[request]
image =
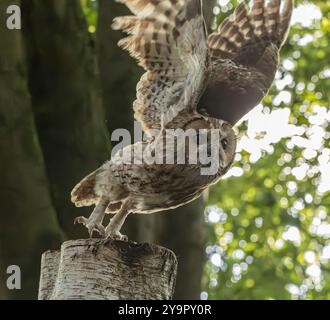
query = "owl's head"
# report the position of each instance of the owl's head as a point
(227, 144)
(220, 136)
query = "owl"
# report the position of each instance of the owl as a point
(193, 81)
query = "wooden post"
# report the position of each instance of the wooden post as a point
(91, 269)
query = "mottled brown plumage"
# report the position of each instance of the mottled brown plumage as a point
(244, 55)
(192, 81)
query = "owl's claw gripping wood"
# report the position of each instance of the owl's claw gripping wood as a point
(113, 229)
(91, 226)
(94, 222)
(118, 236)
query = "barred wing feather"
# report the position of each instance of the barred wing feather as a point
(168, 38)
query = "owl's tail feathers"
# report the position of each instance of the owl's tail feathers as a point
(83, 194)
(247, 27)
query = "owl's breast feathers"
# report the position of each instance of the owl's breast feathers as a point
(152, 187)
(244, 57)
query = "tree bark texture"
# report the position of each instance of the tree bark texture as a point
(66, 96)
(93, 270)
(28, 224)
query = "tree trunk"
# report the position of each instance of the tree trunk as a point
(183, 231)
(28, 220)
(116, 270)
(66, 99)
(119, 72)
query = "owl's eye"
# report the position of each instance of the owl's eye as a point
(224, 143)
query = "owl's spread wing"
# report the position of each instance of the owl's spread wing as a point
(245, 35)
(169, 40)
(245, 49)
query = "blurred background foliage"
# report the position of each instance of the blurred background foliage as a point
(268, 221)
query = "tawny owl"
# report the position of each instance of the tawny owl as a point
(193, 81)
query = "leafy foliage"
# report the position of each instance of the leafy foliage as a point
(269, 227)
(90, 11)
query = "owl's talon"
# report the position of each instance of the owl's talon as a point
(98, 228)
(117, 236)
(91, 225)
(81, 220)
